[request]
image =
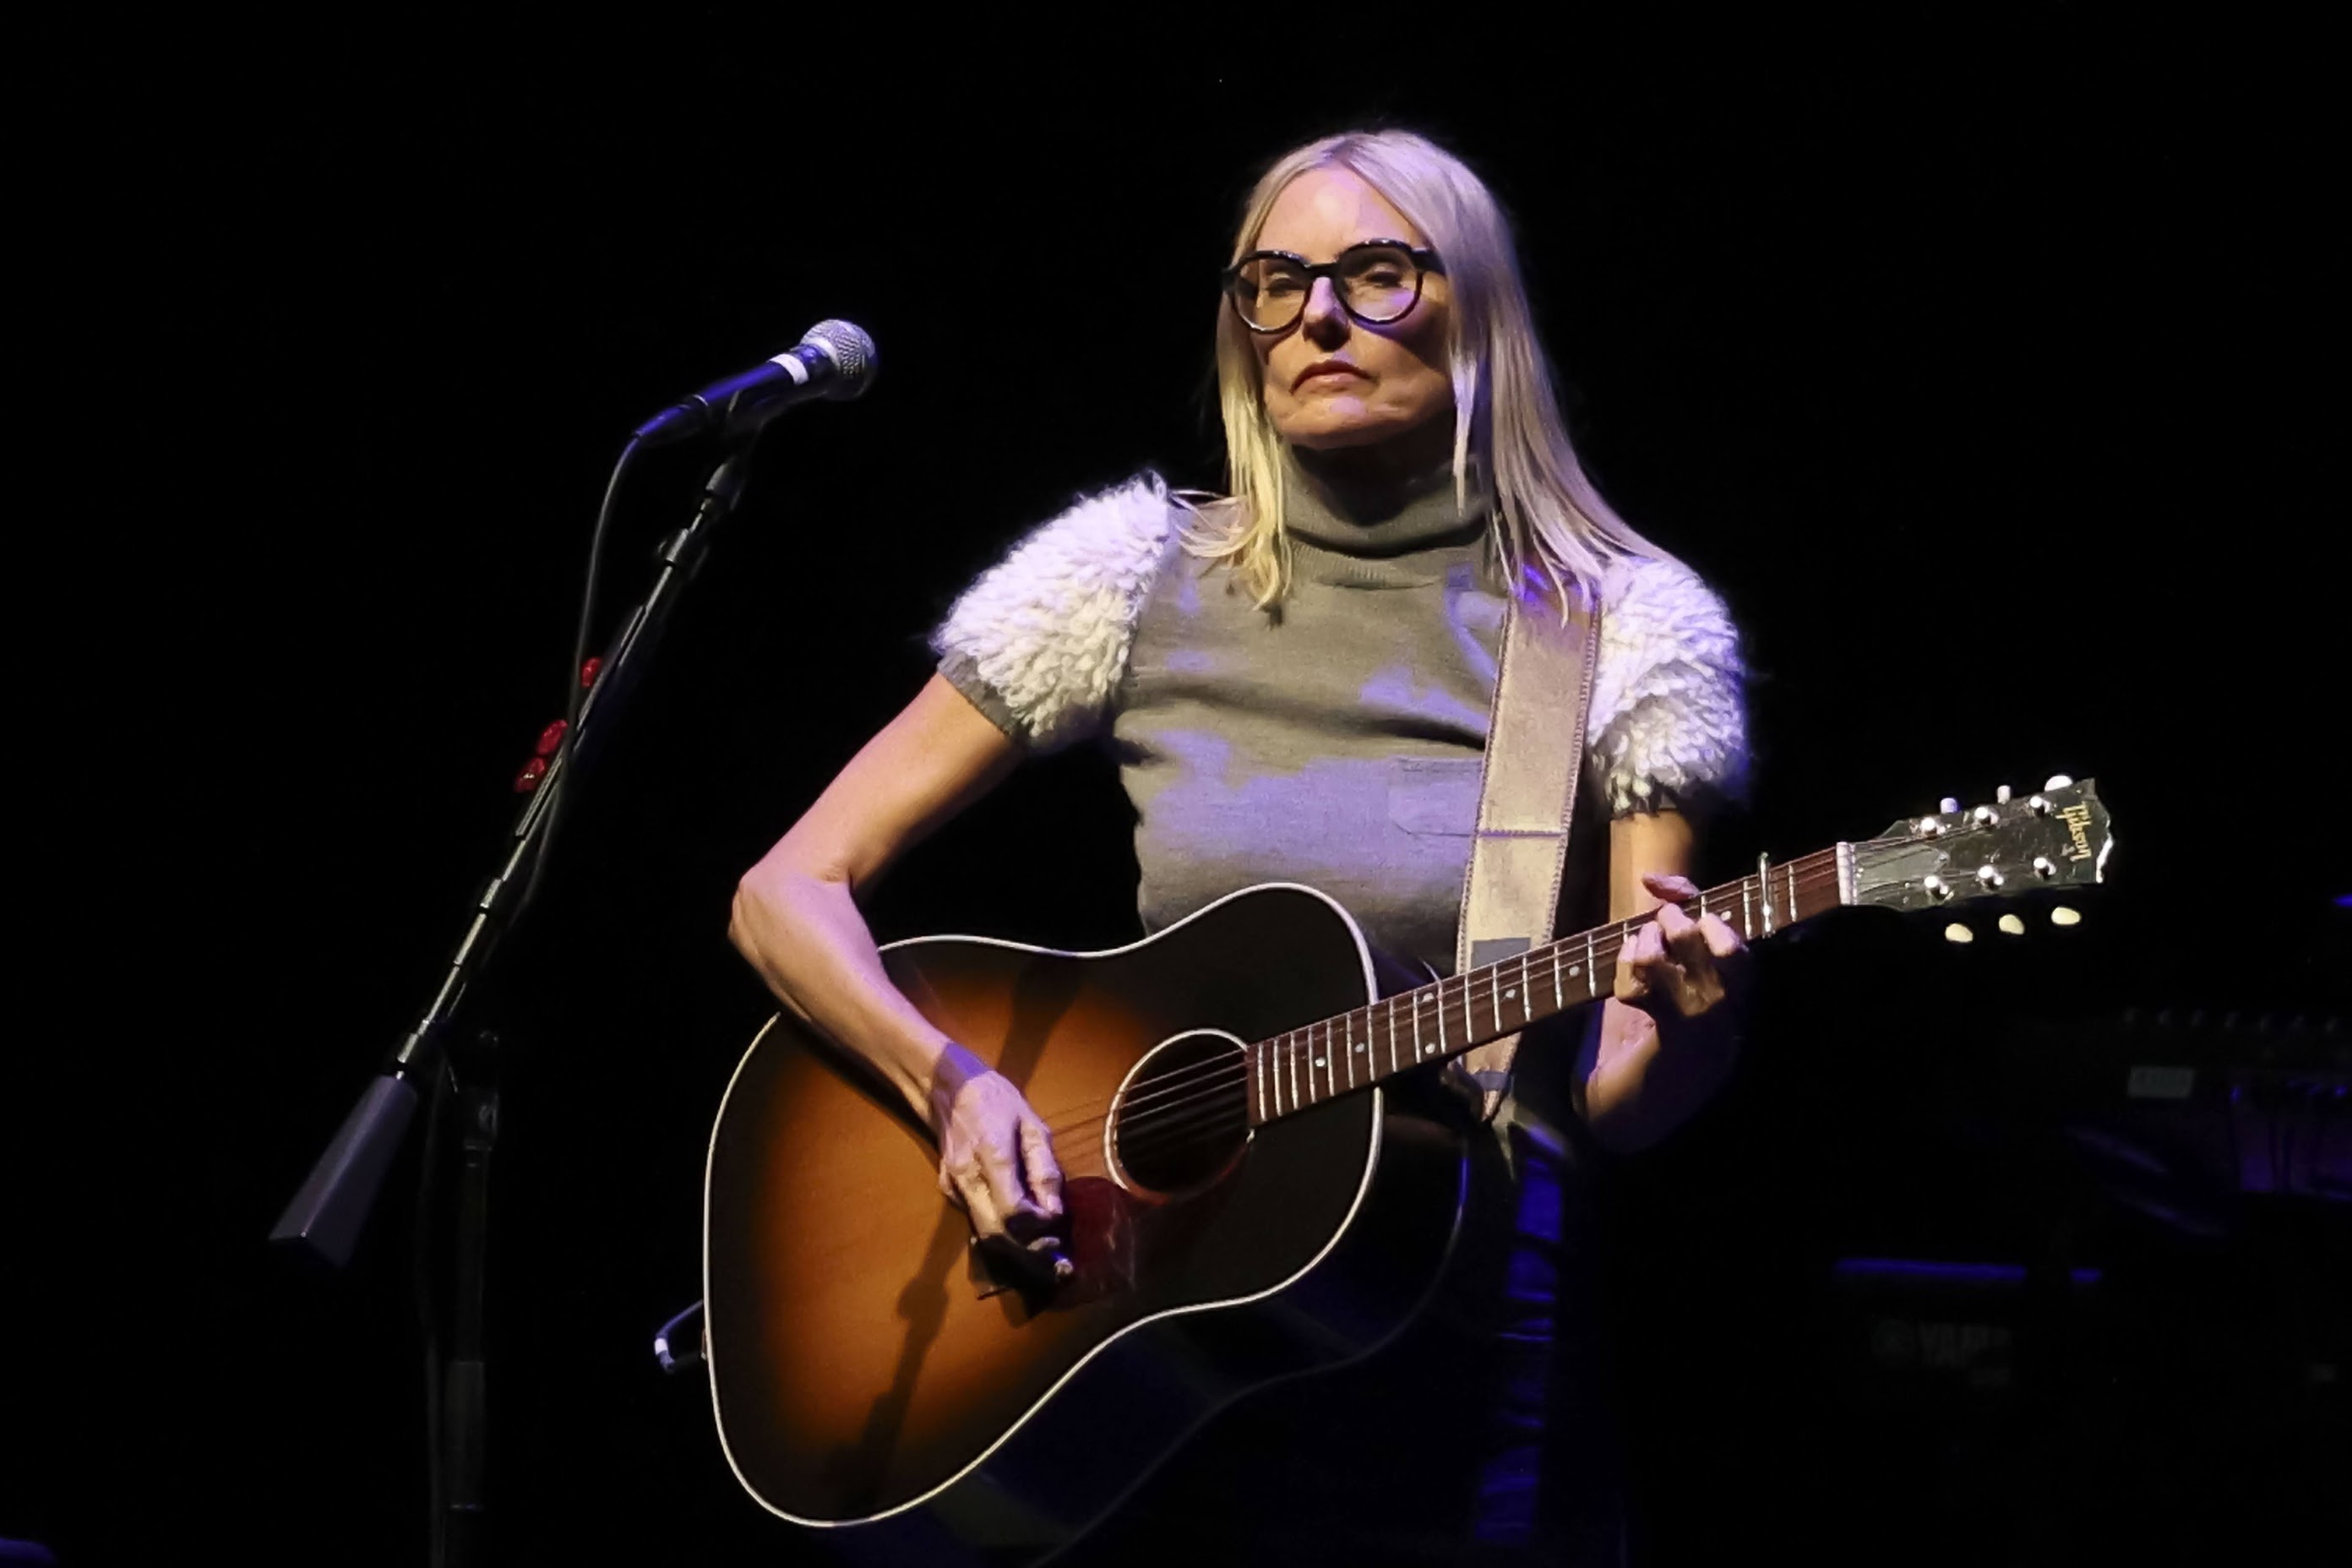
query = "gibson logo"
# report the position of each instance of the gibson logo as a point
(2077, 819)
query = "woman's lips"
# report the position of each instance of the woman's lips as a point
(1326, 370)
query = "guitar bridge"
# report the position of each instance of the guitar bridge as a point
(1100, 1241)
(992, 1270)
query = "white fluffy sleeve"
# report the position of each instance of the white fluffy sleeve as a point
(1668, 716)
(1040, 641)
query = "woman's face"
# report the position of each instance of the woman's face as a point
(1330, 380)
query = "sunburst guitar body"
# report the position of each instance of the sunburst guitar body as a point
(867, 1359)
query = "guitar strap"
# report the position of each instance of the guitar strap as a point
(1526, 806)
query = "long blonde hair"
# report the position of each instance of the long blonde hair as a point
(1549, 524)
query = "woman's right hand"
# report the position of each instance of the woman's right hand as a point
(996, 1161)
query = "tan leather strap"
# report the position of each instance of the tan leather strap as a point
(1526, 806)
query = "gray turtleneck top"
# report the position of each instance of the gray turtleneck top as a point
(1334, 740)
(1337, 744)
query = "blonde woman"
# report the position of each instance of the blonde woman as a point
(1296, 678)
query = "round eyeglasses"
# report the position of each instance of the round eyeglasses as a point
(1377, 281)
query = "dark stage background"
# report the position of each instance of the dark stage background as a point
(1977, 364)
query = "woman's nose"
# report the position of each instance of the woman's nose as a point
(1325, 320)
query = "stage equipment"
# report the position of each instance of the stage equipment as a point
(835, 360)
(1242, 1202)
(2175, 1111)
(326, 1215)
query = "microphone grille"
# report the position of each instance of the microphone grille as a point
(851, 351)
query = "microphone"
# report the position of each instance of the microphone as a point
(834, 360)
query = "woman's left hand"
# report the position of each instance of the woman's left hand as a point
(1687, 975)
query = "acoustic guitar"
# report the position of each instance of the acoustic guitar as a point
(1240, 1207)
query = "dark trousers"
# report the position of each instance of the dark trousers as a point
(1481, 1434)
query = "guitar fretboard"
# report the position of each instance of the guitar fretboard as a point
(1337, 1055)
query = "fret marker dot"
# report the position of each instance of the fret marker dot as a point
(1360, 1050)
(1318, 1061)
(1513, 992)
(1576, 969)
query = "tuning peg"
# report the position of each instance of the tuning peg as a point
(2057, 780)
(2000, 796)
(1950, 805)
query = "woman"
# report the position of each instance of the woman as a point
(1297, 679)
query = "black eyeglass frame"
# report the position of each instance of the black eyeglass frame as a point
(1424, 261)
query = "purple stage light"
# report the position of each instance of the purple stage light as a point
(1920, 1270)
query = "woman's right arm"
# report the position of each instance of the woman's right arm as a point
(796, 920)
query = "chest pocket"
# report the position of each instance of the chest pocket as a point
(1435, 796)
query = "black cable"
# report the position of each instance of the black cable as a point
(445, 1081)
(444, 1078)
(575, 694)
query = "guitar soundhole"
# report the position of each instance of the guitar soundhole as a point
(1183, 1116)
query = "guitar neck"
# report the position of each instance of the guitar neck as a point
(1295, 1071)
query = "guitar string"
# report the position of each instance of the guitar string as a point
(1207, 1104)
(1182, 1082)
(1197, 1121)
(1195, 1085)
(1290, 1044)
(1215, 1081)
(1199, 1114)
(1191, 1093)
(1381, 1011)
(1808, 870)
(1204, 1119)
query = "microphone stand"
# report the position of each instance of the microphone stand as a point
(326, 1217)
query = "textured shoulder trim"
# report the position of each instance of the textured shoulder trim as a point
(1669, 716)
(1046, 631)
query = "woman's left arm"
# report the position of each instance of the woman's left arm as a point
(1666, 1042)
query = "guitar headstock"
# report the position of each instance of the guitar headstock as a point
(2057, 836)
